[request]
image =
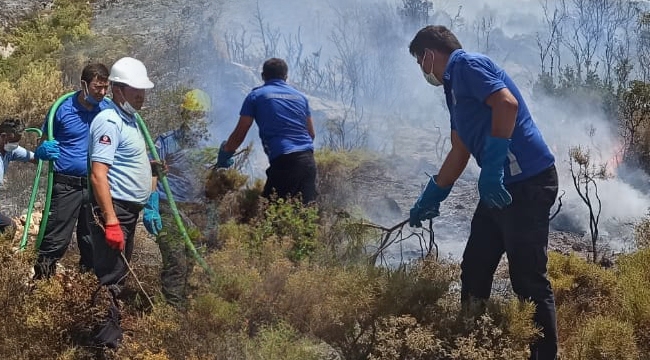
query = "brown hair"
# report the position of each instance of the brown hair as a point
(434, 37)
(92, 71)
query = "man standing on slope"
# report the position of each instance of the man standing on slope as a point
(287, 132)
(121, 180)
(176, 149)
(517, 184)
(68, 150)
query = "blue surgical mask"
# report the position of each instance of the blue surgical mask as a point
(89, 99)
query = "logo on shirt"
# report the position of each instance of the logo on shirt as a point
(105, 139)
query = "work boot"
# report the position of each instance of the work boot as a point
(44, 268)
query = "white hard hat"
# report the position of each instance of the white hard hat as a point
(131, 72)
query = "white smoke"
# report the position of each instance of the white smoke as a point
(397, 103)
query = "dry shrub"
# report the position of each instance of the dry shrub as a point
(634, 277)
(488, 341)
(582, 289)
(415, 290)
(281, 341)
(221, 181)
(641, 233)
(603, 338)
(344, 167)
(343, 239)
(242, 205)
(8, 100)
(402, 337)
(336, 305)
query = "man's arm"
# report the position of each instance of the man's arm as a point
(454, 163)
(102, 192)
(239, 134)
(504, 112)
(310, 127)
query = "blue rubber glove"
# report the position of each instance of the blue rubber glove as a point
(48, 150)
(490, 183)
(224, 159)
(151, 218)
(428, 204)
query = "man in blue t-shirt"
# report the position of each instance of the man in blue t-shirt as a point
(68, 150)
(287, 132)
(10, 133)
(517, 183)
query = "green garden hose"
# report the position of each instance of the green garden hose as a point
(32, 198)
(172, 204)
(50, 170)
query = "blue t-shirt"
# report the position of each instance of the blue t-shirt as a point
(183, 182)
(18, 154)
(71, 124)
(116, 140)
(281, 113)
(469, 79)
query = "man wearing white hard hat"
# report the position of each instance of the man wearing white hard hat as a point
(121, 180)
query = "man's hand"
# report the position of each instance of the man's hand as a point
(490, 183)
(151, 218)
(114, 236)
(428, 204)
(48, 150)
(158, 167)
(224, 159)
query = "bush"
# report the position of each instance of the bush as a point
(604, 338)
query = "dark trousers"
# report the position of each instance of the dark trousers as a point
(521, 231)
(110, 267)
(5, 223)
(69, 206)
(291, 175)
(177, 261)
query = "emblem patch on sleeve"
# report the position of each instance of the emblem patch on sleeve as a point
(105, 139)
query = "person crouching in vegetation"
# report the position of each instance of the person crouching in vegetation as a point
(287, 132)
(517, 184)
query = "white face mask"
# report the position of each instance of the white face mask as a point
(9, 147)
(126, 106)
(429, 77)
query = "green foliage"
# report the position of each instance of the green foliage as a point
(634, 273)
(30, 79)
(281, 342)
(604, 338)
(288, 220)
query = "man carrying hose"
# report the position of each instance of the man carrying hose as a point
(11, 130)
(176, 148)
(68, 150)
(121, 181)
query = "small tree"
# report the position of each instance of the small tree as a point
(584, 174)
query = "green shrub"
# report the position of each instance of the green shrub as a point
(604, 338)
(280, 342)
(634, 277)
